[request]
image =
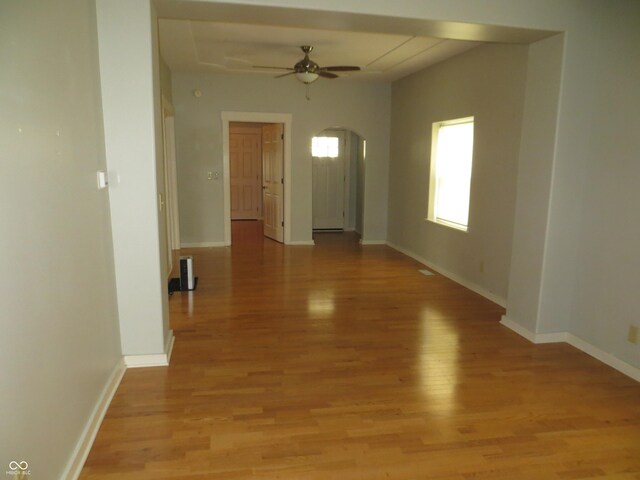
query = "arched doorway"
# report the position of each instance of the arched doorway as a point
(338, 169)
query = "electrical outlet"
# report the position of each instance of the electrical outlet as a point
(633, 334)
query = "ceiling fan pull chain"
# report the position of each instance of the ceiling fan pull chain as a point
(307, 93)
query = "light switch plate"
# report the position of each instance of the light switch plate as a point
(102, 180)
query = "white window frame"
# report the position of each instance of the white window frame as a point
(431, 212)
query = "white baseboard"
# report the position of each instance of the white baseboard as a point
(533, 337)
(88, 435)
(301, 242)
(452, 276)
(203, 245)
(372, 242)
(520, 330)
(169, 346)
(152, 360)
(577, 342)
(604, 357)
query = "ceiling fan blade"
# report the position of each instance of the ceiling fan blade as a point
(284, 74)
(272, 68)
(341, 68)
(324, 74)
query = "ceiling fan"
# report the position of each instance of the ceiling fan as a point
(307, 71)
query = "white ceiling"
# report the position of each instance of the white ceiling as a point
(188, 45)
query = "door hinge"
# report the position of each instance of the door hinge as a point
(282, 181)
(282, 136)
(282, 223)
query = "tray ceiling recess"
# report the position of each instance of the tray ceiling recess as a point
(202, 46)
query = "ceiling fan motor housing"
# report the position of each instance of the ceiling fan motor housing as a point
(307, 71)
(306, 64)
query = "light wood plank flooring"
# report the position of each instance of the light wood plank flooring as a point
(343, 362)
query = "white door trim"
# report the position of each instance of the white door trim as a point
(170, 179)
(347, 181)
(257, 117)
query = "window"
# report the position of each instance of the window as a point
(450, 179)
(323, 147)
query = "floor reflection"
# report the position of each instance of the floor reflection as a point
(438, 361)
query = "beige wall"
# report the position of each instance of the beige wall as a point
(60, 342)
(591, 274)
(534, 182)
(361, 107)
(487, 83)
(133, 145)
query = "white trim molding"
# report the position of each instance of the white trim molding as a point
(533, 337)
(88, 435)
(451, 276)
(373, 242)
(604, 357)
(204, 245)
(301, 242)
(152, 360)
(577, 342)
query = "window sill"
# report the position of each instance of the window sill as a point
(448, 225)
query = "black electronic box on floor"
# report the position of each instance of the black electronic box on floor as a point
(187, 281)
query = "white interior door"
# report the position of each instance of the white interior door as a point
(273, 181)
(245, 172)
(328, 181)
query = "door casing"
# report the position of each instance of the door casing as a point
(170, 180)
(256, 117)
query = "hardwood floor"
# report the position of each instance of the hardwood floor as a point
(344, 362)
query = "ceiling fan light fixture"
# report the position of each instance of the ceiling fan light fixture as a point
(306, 77)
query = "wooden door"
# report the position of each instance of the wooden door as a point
(328, 187)
(273, 181)
(246, 172)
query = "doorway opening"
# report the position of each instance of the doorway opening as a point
(256, 171)
(338, 169)
(256, 167)
(245, 163)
